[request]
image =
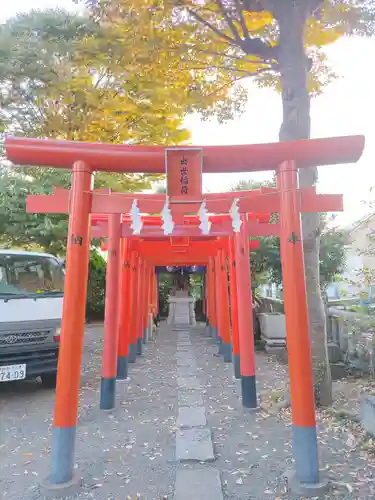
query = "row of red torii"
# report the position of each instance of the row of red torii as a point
(190, 228)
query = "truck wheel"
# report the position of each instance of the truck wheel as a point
(49, 380)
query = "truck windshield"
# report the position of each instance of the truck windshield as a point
(30, 275)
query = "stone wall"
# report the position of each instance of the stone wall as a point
(350, 335)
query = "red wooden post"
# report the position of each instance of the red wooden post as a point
(224, 307)
(219, 317)
(234, 309)
(125, 312)
(152, 291)
(152, 302)
(140, 305)
(245, 318)
(212, 298)
(298, 341)
(112, 314)
(157, 293)
(208, 299)
(134, 266)
(146, 302)
(73, 324)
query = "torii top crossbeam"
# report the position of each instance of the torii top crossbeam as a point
(215, 159)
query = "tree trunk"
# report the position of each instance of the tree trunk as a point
(294, 64)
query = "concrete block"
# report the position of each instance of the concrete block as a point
(186, 371)
(334, 353)
(368, 414)
(306, 490)
(191, 416)
(184, 354)
(192, 398)
(272, 325)
(194, 444)
(187, 362)
(189, 383)
(184, 349)
(198, 484)
(53, 491)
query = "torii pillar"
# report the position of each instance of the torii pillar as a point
(112, 314)
(223, 311)
(234, 309)
(245, 318)
(125, 313)
(134, 283)
(70, 354)
(140, 303)
(305, 447)
(212, 298)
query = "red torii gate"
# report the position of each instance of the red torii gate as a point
(152, 232)
(184, 164)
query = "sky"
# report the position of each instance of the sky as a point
(346, 107)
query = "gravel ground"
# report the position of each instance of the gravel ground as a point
(254, 450)
(128, 453)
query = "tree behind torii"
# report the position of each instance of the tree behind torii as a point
(278, 42)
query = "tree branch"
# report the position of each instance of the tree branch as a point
(229, 56)
(208, 25)
(316, 7)
(257, 47)
(232, 82)
(229, 21)
(237, 79)
(250, 46)
(242, 19)
(206, 66)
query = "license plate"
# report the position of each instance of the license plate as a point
(12, 372)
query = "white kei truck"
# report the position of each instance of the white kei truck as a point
(31, 301)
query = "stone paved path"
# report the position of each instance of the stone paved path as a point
(178, 431)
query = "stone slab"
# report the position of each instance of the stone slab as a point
(184, 354)
(368, 414)
(187, 371)
(198, 484)
(187, 362)
(192, 398)
(184, 349)
(194, 445)
(189, 383)
(191, 416)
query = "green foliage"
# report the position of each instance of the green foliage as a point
(222, 42)
(266, 264)
(30, 231)
(57, 80)
(265, 261)
(96, 286)
(165, 286)
(332, 255)
(68, 77)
